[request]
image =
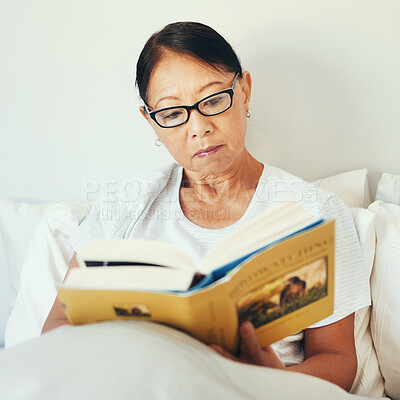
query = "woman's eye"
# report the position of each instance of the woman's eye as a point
(214, 101)
(173, 115)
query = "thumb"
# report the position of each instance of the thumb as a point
(250, 350)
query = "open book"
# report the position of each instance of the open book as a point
(276, 271)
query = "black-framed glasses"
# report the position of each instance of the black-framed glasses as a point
(213, 104)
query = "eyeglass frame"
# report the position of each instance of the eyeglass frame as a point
(195, 106)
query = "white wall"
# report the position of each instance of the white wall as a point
(326, 88)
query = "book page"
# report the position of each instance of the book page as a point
(129, 278)
(138, 251)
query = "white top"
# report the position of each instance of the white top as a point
(148, 208)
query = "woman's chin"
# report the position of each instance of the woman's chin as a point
(212, 167)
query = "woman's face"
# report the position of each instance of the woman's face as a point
(182, 80)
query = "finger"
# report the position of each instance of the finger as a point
(249, 340)
(223, 352)
(250, 350)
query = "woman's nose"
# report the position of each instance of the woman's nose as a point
(199, 125)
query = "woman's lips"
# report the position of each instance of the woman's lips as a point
(208, 151)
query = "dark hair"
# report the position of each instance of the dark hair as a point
(191, 38)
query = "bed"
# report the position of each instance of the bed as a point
(130, 359)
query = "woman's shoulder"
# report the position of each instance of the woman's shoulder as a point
(118, 209)
(141, 187)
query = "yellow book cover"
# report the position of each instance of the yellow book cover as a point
(282, 289)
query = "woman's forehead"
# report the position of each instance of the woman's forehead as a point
(176, 74)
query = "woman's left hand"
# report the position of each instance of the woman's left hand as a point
(250, 350)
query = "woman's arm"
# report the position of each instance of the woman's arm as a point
(329, 352)
(57, 315)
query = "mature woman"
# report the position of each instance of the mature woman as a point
(196, 98)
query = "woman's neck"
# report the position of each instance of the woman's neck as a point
(242, 176)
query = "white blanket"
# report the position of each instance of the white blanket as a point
(142, 360)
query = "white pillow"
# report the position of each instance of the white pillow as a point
(368, 381)
(6, 293)
(139, 360)
(351, 187)
(46, 262)
(17, 223)
(389, 188)
(385, 289)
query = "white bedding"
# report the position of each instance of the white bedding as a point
(131, 354)
(142, 360)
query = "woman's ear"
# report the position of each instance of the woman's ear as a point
(144, 113)
(246, 87)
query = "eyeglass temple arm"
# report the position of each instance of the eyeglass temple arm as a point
(235, 80)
